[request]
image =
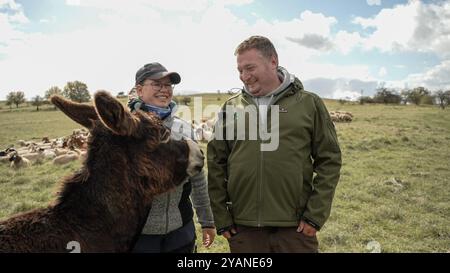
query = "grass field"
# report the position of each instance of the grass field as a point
(394, 187)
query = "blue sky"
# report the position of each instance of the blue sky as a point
(337, 48)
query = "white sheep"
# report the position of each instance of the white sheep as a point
(49, 154)
(18, 162)
(60, 151)
(63, 159)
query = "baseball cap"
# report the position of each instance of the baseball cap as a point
(156, 71)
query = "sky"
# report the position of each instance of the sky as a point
(338, 49)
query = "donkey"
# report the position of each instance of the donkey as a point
(103, 206)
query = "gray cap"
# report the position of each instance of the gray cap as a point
(155, 71)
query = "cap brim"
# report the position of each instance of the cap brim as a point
(174, 76)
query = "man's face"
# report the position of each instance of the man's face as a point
(257, 72)
(156, 92)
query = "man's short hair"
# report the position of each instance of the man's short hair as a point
(260, 43)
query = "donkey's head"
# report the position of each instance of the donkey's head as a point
(132, 147)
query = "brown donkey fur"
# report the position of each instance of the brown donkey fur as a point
(104, 205)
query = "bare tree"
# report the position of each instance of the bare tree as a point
(37, 101)
(15, 98)
(443, 98)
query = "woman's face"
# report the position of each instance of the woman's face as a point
(156, 92)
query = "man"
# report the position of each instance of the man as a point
(270, 200)
(170, 226)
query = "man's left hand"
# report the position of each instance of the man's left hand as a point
(306, 229)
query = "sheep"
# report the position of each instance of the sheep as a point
(341, 116)
(49, 154)
(18, 161)
(60, 151)
(33, 156)
(64, 159)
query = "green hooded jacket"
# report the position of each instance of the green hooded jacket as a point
(251, 187)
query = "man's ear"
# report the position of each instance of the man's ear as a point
(114, 115)
(274, 61)
(82, 114)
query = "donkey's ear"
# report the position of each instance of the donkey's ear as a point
(114, 115)
(80, 113)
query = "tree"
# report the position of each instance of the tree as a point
(54, 90)
(385, 95)
(366, 99)
(76, 91)
(417, 95)
(404, 94)
(443, 98)
(37, 101)
(9, 101)
(15, 98)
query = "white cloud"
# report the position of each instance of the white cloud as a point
(373, 2)
(434, 78)
(345, 42)
(10, 4)
(52, 19)
(393, 27)
(414, 26)
(190, 38)
(346, 94)
(14, 14)
(382, 72)
(314, 32)
(9, 21)
(107, 55)
(237, 2)
(341, 88)
(73, 2)
(19, 18)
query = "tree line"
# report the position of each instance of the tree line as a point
(417, 96)
(75, 91)
(78, 91)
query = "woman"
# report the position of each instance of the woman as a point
(170, 226)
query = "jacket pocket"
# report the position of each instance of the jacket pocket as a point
(282, 188)
(241, 187)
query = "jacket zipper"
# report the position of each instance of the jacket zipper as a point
(260, 190)
(260, 182)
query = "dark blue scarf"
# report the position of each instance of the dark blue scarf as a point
(138, 104)
(161, 112)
